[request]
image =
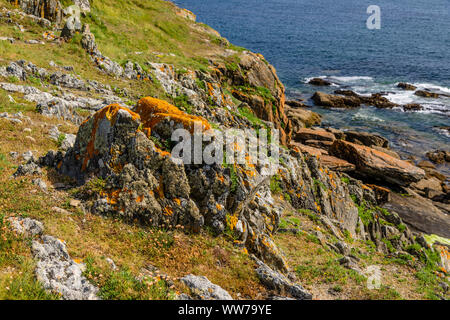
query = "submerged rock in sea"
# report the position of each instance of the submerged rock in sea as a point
(439, 156)
(319, 82)
(412, 107)
(406, 86)
(426, 94)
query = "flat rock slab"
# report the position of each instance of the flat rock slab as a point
(336, 164)
(420, 214)
(376, 164)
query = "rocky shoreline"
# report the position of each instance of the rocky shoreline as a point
(368, 156)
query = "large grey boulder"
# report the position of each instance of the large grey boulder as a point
(204, 289)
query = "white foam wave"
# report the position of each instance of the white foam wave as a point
(341, 79)
(350, 79)
(432, 87)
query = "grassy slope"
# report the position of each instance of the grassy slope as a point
(151, 27)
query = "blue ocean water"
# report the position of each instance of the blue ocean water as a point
(329, 38)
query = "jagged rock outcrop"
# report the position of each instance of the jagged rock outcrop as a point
(84, 5)
(48, 9)
(281, 284)
(144, 182)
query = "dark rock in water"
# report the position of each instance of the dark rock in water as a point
(406, 86)
(439, 156)
(420, 213)
(350, 99)
(376, 164)
(412, 107)
(333, 101)
(366, 139)
(379, 101)
(348, 93)
(319, 82)
(426, 94)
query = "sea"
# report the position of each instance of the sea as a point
(330, 39)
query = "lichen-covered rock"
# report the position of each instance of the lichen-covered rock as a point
(26, 226)
(59, 273)
(48, 9)
(281, 284)
(376, 164)
(204, 289)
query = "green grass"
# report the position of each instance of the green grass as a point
(20, 283)
(248, 114)
(123, 285)
(275, 184)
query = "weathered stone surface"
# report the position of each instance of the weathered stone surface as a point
(30, 168)
(336, 164)
(48, 9)
(274, 280)
(305, 134)
(301, 117)
(376, 164)
(308, 149)
(366, 139)
(203, 289)
(26, 226)
(59, 273)
(146, 183)
(84, 5)
(333, 101)
(420, 213)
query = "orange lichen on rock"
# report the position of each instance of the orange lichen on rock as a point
(111, 195)
(152, 111)
(109, 112)
(168, 211)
